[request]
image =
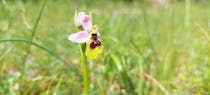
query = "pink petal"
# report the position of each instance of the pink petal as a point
(78, 18)
(85, 21)
(79, 37)
(98, 33)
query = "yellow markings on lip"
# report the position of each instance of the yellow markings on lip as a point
(93, 53)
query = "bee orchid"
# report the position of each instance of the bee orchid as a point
(89, 34)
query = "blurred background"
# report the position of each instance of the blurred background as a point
(151, 47)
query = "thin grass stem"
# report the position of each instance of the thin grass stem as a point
(32, 37)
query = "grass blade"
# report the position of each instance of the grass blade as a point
(33, 34)
(35, 44)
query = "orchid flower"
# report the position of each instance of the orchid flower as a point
(89, 34)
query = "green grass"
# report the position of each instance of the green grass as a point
(148, 50)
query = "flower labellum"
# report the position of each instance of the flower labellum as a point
(88, 34)
(94, 45)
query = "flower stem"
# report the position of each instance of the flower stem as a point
(85, 69)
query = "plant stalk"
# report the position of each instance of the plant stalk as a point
(85, 69)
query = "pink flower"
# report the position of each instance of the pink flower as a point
(89, 34)
(84, 22)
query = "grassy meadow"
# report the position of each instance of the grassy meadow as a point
(148, 49)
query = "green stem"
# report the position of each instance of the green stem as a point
(85, 69)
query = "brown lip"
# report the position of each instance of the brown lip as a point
(95, 43)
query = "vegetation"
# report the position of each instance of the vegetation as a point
(148, 49)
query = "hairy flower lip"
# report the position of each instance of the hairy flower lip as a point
(94, 44)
